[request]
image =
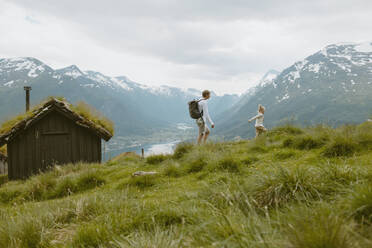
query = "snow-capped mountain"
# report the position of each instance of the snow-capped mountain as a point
(332, 86)
(268, 77)
(135, 108)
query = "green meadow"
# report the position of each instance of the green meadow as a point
(292, 187)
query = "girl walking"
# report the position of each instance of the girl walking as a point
(259, 120)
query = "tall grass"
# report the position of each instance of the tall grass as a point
(319, 227)
(156, 159)
(51, 185)
(361, 203)
(277, 187)
(223, 194)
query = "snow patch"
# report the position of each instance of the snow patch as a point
(315, 67)
(74, 74)
(87, 85)
(157, 90)
(20, 64)
(285, 97)
(121, 83)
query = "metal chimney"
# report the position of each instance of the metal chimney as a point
(27, 89)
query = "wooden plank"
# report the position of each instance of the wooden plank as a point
(10, 160)
(89, 148)
(74, 144)
(21, 156)
(32, 145)
(73, 152)
(17, 158)
(99, 150)
(38, 163)
(82, 145)
(27, 148)
(56, 133)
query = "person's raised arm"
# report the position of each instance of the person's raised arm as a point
(255, 117)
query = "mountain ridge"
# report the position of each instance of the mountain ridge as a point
(333, 86)
(134, 107)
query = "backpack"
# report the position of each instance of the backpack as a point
(194, 109)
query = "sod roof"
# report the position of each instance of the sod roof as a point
(82, 115)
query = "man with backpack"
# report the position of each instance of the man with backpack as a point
(199, 111)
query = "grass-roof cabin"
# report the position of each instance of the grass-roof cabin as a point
(55, 132)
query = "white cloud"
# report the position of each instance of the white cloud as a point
(221, 45)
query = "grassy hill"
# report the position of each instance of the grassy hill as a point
(301, 188)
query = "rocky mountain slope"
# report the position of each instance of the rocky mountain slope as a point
(332, 86)
(135, 108)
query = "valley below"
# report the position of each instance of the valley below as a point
(161, 141)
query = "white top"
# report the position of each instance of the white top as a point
(259, 119)
(203, 107)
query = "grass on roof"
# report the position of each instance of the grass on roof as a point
(80, 108)
(3, 150)
(93, 115)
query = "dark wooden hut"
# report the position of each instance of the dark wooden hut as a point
(52, 134)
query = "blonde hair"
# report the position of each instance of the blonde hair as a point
(261, 108)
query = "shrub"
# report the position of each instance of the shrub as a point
(196, 165)
(64, 187)
(229, 164)
(319, 228)
(364, 135)
(172, 170)
(340, 146)
(168, 218)
(30, 234)
(143, 181)
(156, 159)
(91, 235)
(258, 149)
(282, 155)
(340, 174)
(89, 180)
(361, 203)
(40, 186)
(288, 142)
(288, 129)
(303, 142)
(307, 143)
(182, 149)
(275, 188)
(249, 160)
(7, 195)
(24, 232)
(158, 237)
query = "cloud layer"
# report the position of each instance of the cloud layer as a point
(222, 45)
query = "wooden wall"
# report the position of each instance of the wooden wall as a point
(53, 140)
(3, 167)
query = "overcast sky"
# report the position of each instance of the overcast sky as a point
(221, 45)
